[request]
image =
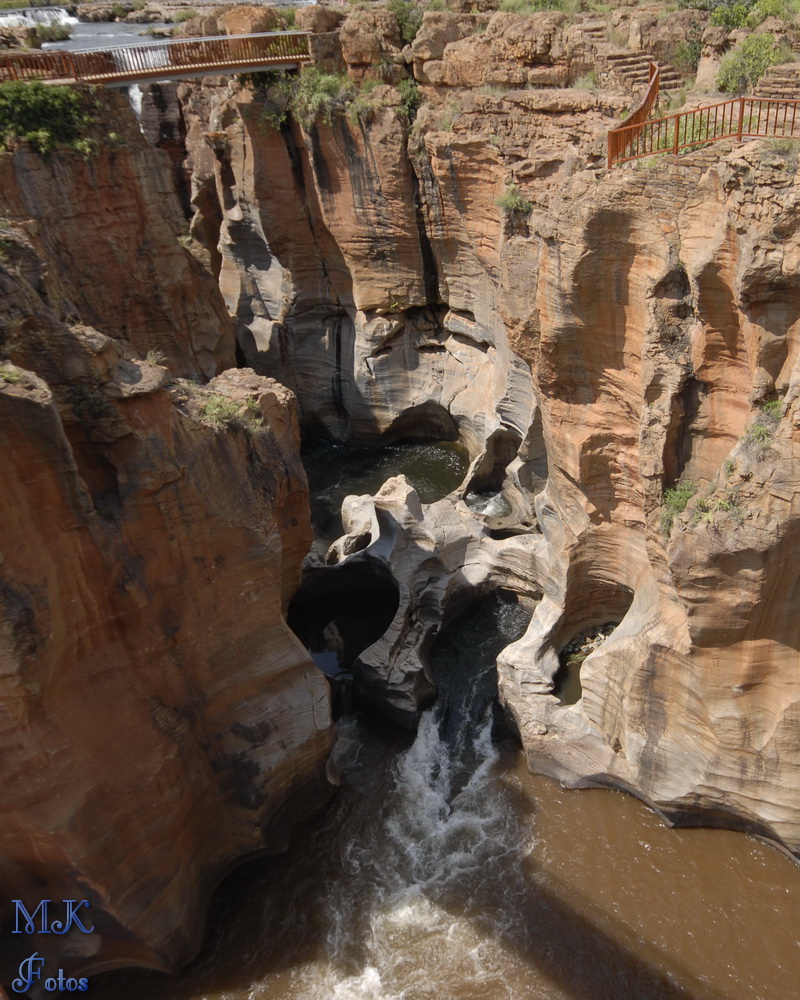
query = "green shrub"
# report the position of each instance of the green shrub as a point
(675, 502)
(535, 6)
(789, 149)
(760, 433)
(51, 33)
(450, 114)
(46, 117)
(222, 412)
(741, 69)
(117, 11)
(9, 375)
(512, 201)
(586, 82)
(686, 56)
(319, 95)
(410, 99)
(706, 508)
(409, 16)
(784, 10)
(185, 15)
(290, 17)
(219, 411)
(744, 13)
(314, 95)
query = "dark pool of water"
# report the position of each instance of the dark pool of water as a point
(336, 471)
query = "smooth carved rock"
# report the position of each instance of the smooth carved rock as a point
(158, 720)
(375, 272)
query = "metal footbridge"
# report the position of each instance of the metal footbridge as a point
(173, 59)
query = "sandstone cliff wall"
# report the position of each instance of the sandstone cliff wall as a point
(655, 312)
(158, 720)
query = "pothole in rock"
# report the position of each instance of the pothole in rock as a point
(490, 504)
(567, 681)
(337, 614)
(434, 468)
(463, 661)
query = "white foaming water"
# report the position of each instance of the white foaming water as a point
(490, 504)
(135, 97)
(149, 57)
(411, 896)
(29, 17)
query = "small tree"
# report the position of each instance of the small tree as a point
(741, 70)
(45, 116)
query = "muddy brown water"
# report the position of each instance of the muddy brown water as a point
(522, 890)
(443, 870)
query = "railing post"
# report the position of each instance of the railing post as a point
(741, 120)
(675, 138)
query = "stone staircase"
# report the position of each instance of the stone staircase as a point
(620, 67)
(595, 34)
(780, 83)
(631, 71)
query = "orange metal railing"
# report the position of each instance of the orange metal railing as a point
(161, 59)
(739, 118)
(637, 117)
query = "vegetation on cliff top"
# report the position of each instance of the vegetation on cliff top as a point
(314, 96)
(46, 117)
(744, 13)
(409, 16)
(223, 412)
(740, 70)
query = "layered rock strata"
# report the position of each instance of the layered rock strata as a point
(654, 310)
(158, 720)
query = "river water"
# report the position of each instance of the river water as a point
(444, 871)
(435, 468)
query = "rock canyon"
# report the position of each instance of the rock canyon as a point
(440, 254)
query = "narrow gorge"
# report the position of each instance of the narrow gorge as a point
(407, 385)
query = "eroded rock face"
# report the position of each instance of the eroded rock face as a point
(108, 228)
(328, 261)
(158, 720)
(654, 309)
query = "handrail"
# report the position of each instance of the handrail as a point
(639, 114)
(166, 58)
(740, 117)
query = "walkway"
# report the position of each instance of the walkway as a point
(739, 118)
(167, 60)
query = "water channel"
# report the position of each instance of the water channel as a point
(443, 870)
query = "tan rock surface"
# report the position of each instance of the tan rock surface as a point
(108, 228)
(158, 720)
(654, 308)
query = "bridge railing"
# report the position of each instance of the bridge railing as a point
(739, 118)
(637, 116)
(166, 58)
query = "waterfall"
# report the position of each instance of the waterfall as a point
(434, 878)
(415, 888)
(135, 97)
(29, 17)
(140, 57)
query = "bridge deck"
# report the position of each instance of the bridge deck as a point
(169, 59)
